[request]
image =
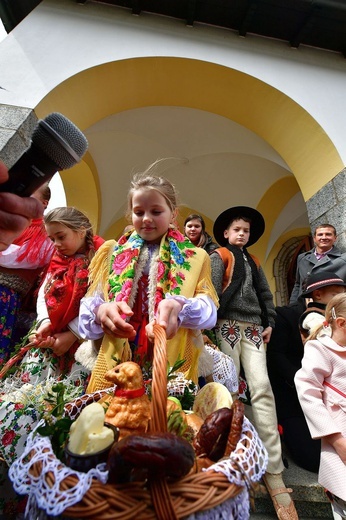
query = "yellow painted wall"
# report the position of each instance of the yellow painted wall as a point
(124, 85)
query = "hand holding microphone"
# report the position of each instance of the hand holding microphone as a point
(57, 144)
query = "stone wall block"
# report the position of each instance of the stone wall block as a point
(337, 219)
(329, 205)
(16, 127)
(339, 183)
(320, 203)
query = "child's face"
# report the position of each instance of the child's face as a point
(67, 241)
(151, 215)
(238, 233)
(38, 195)
(327, 293)
(193, 230)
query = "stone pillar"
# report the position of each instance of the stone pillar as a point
(329, 205)
(16, 127)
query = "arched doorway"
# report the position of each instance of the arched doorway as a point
(285, 265)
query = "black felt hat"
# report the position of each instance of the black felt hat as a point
(319, 280)
(223, 221)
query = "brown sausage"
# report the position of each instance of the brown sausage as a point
(160, 455)
(212, 437)
(236, 426)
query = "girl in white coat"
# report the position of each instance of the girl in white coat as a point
(321, 387)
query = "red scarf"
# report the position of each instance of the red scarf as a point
(66, 285)
(35, 236)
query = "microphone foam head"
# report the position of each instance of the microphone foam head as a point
(61, 140)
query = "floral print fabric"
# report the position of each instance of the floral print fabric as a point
(9, 305)
(16, 422)
(173, 258)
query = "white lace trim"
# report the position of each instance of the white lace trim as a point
(41, 491)
(152, 285)
(224, 370)
(248, 461)
(245, 465)
(141, 263)
(176, 385)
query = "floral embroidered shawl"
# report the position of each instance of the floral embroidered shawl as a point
(180, 268)
(126, 267)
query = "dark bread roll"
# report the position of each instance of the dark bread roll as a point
(159, 455)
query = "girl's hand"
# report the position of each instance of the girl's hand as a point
(166, 316)
(47, 342)
(42, 334)
(112, 316)
(63, 342)
(267, 332)
(339, 444)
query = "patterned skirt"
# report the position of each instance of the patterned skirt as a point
(10, 301)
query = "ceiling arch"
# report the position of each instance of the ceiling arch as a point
(103, 99)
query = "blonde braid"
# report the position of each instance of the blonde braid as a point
(89, 240)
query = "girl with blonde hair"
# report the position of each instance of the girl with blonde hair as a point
(151, 275)
(321, 387)
(56, 336)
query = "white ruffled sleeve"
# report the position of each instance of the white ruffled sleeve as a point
(197, 313)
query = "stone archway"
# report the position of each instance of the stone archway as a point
(284, 266)
(123, 85)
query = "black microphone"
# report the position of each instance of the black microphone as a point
(56, 144)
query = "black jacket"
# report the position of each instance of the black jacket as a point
(307, 264)
(284, 354)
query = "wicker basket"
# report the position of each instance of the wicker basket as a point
(154, 499)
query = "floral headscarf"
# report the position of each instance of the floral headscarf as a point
(129, 258)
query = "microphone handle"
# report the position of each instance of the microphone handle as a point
(31, 170)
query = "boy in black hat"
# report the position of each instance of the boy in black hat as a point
(245, 319)
(320, 287)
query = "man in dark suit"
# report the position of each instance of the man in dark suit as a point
(284, 354)
(325, 256)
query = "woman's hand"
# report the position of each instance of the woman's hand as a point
(63, 342)
(43, 336)
(267, 332)
(112, 316)
(16, 213)
(47, 342)
(166, 316)
(339, 444)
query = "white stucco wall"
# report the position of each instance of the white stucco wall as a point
(61, 38)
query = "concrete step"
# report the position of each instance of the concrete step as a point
(309, 497)
(272, 516)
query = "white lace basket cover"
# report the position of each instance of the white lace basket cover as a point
(245, 466)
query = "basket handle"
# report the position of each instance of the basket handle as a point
(159, 489)
(158, 420)
(14, 359)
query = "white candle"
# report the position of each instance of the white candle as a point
(88, 433)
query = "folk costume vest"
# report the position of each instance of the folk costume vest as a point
(178, 268)
(233, 260)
